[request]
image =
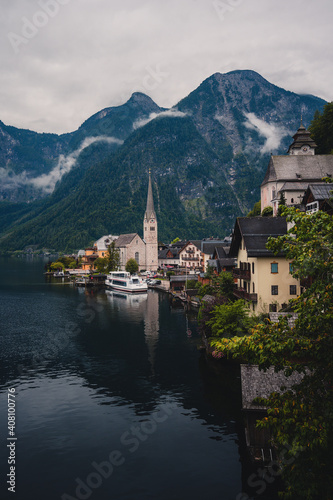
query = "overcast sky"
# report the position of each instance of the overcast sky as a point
(63, 60)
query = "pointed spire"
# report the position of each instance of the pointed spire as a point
(150, 210)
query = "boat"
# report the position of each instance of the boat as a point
(121, 280)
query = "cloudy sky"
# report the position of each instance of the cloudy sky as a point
(63, 60)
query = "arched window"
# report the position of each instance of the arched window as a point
(137, 257)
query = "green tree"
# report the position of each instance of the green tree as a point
(321, 130)
(101, 265)
(175, 241)
(267, 212)
(224, 285)
(132, 266)
(55, 266)
(256, 210)
(230, 320)
(303, 418)
(112, 258)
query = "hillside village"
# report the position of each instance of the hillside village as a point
(262, 279)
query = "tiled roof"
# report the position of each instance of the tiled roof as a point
(321, 191)
(126, 239)
(308, 168)
(256, 231)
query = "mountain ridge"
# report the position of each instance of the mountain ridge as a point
(208, 153)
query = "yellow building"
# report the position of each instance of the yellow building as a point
(263, 279)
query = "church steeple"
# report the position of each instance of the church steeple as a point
(150, 231)
(150, 210)
(303, 143)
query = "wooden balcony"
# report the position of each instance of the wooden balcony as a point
(242, 274)
(190, 258)
(240, 293)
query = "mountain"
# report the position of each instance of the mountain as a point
(32, 163)
(208, 156)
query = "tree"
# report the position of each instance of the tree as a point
(229, 319)
(175, 241)
(132, 266)
(55, 266)
(321, 129)
(101, 265)
(224, 285)
(267, 212)
(303, 418)
(112, 258)
(256, 210)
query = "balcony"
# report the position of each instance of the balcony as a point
(189, 251)
(240, 293)
(242, 274)
(190, 258)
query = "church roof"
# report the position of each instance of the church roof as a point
(126, 239)
(299, 168)
(150, 210)
(301, 138)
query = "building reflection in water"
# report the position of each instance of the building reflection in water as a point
(140, 307)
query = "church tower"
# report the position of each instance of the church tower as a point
(150, 231)
(303, 143)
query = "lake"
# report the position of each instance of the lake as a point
(113, 398)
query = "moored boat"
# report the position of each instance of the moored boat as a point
(121, 280)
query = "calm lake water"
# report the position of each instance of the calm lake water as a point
(113, 398)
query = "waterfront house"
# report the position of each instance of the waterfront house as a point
(263, 279)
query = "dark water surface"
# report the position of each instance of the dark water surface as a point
(113, 398)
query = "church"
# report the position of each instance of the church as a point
(131, 246)
(290, 175)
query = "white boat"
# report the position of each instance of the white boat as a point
(121, 280)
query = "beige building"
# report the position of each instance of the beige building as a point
(289, 175)
(131, 246)
(263, 279)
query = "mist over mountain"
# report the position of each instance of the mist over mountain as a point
(208, 156)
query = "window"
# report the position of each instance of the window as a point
(137, 257)
(293, 290)
(292, 200)
(274, 267)
(272, 308)
(275, 290)
(253, 288)
(252, 267)
(152, 228)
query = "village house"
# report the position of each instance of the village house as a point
(263, 279)
(289, 176)
(319, 197)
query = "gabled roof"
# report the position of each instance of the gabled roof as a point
(320, 191)
(256, 231)
(126, 239)
(299, 168)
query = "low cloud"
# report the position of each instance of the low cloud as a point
(272, 132)
(171, 113)
(47, 182)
